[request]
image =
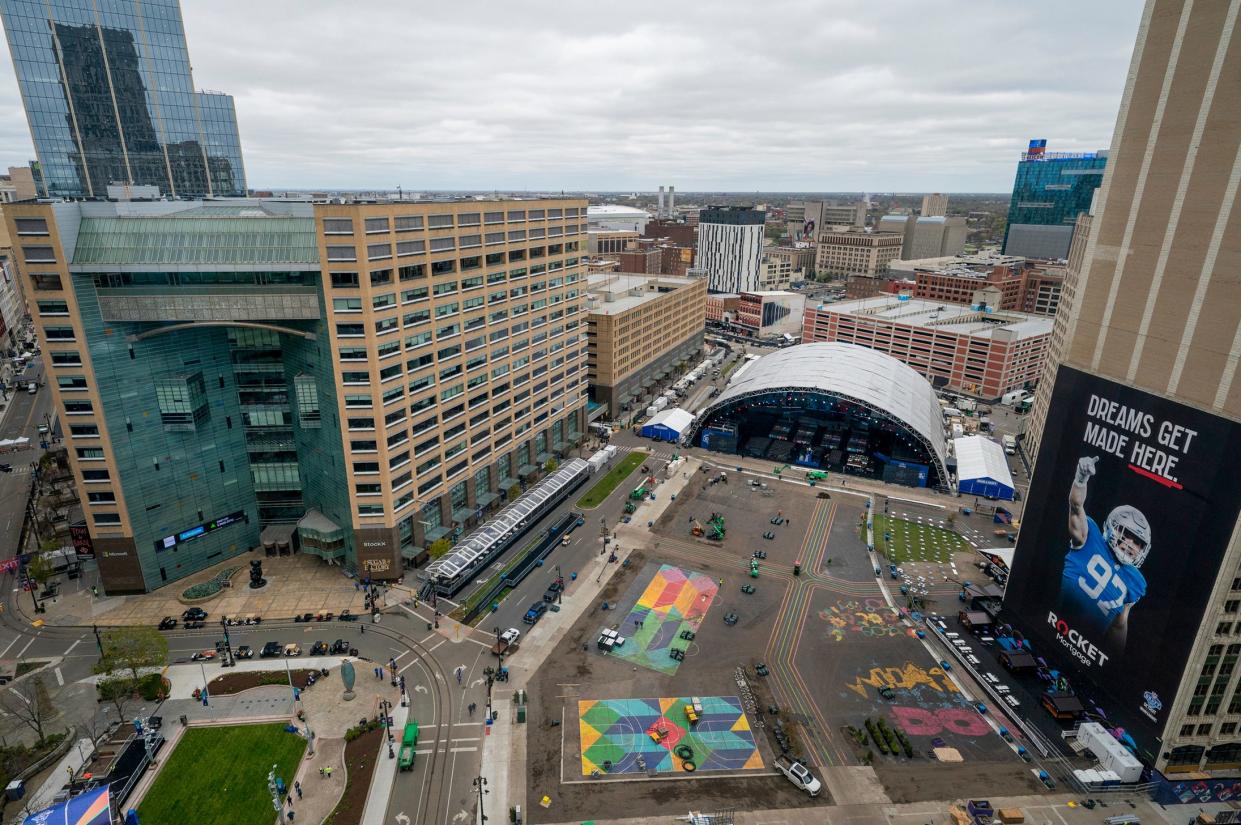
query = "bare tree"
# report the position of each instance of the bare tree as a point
(28, 700)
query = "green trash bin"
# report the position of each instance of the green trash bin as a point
(521, 714)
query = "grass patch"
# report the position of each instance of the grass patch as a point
(902, 540)
(603, 487)
(218, 776)
(28, 667)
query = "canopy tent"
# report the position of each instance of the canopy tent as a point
(668, 425)
(982, 469)
(91, 808)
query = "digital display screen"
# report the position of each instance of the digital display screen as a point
(168, 542)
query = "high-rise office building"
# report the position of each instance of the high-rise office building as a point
(730, 247)
(1127, 572)
(1051, 190)
(934, 205)
(110, 99)
(352, 380)
(926, 237)
(805, 219)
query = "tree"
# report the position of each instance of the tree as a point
(119, 691)
(551, 465)
(29, 701)
(130, 649)
(439, 547)
(514, 492)
(39, 570)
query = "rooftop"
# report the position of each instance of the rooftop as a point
(611, 293)
(615, 210)
(959, 319)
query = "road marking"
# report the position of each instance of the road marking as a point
(71, 647)
(401, 655)
(60, 678)
(437, 644)
(466, 739)
(22, 652)
(10, 644)
(463, 750)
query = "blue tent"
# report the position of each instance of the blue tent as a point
(668, 425)
(982, 469)
(91, 808)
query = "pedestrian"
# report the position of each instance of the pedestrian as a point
(361, 628)
(329, 771)
(322, 771)
(290, 814)
(297, 786)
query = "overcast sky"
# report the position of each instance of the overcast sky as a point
(734, 95)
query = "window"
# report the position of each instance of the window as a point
(84, 430)
(90, 453)
(376, 225)
(338, 226)
(418, 293)
(347, 304)
(182, 402)
(102, 497)
(345, 280)
(59, 334)
(92, 476)
(82, 407)
(68, 358)
(107, 519)
(377, 251)
(444, 267)
(443, 244)
(39, 254)
(1232, 605)
(388, 299)
(381, 277)
(350, 330)
(410, 248)
(306, 392)
(405, 223)
(30, 226)
(342, 253)
(412, 272)
(517, 214)
(53, 307)
(440, 221)
(71, 382)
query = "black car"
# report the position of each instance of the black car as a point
(339, 646)
(196, 614)
(271, 650)
(168, 623)
(244, 652)
(318, 649)
(347, 616)
(6, 468)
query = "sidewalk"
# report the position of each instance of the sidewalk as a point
(504, 746)
(383, 778)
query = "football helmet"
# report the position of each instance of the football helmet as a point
(1126, 522)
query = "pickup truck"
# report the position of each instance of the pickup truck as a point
(799, 775)
(535, 612)
(507, 640)
(409, 742)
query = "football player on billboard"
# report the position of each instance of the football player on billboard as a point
(1101, 578)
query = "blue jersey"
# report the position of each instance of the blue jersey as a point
(1095, 584)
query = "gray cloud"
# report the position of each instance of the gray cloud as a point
(726, 95)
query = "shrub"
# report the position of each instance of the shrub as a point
(876, 737)
(210, 587)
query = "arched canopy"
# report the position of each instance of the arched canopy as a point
(849, 373)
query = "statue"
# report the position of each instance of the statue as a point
(256, 574)
(347, 675)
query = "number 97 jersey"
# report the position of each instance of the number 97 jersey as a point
(1096, 584)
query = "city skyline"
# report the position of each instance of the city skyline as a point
(545, 102)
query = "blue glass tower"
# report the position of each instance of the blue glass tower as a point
(1051, 190)
(110, 99)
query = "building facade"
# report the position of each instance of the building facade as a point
(771, 313)
(679, 233)
(611, 241)
(614, 218)
(722, 307)
(926, 236)
(865, 254)
(980, 353)
(1051, 189)
(805, 219)
(110, 99)
(800, 258)
(18, 185)
(351, 380)
(730, 247)
(935, 204)
(639, 329)
(1151, 320)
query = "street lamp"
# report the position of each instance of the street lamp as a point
(481, 784)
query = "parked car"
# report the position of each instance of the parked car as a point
(167, 623)
(292, 649)
(339, 646)
(6, 468)
(535, 612)
(347, 616)
(203, 656)
(318, 649)
(270, 650)
(196, 624)
(244, 652)
(196, 614)
(510, 636)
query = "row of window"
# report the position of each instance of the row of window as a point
(409, 223)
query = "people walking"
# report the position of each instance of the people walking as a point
(297, 786)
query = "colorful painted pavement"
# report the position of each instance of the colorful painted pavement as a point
(616, 736)
(673, 602)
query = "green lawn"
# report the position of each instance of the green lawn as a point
(913, 541)
(604, 486)
(218, 776)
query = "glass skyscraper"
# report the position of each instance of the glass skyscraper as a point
(110, 100)
(1051, 190)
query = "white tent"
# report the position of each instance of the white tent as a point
(668, 425)
(982, 469)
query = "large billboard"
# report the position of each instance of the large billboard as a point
(1133, 502)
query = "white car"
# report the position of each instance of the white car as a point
(510, 636)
